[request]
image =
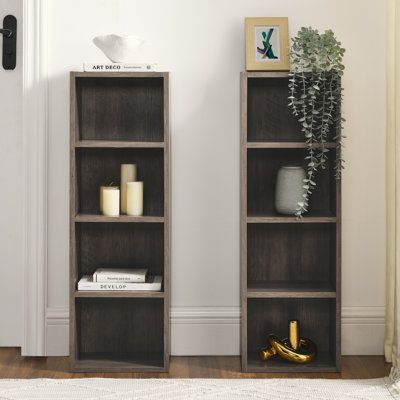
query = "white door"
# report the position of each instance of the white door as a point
(11, 239)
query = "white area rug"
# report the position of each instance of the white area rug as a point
(205, 389)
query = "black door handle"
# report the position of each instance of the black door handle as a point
(6, 32)
(9, 33)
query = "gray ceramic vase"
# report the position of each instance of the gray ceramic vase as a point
(289, 189)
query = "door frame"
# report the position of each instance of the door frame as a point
(35, 177)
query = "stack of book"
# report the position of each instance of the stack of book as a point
(128, 279)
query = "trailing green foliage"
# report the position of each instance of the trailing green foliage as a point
(315, 97)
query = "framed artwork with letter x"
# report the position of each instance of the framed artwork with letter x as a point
(267, 44)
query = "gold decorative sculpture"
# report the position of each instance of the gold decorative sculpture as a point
(295, 348)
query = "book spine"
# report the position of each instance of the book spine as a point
(118, 286)
(102, 286)
(119, 278)
(118, 67)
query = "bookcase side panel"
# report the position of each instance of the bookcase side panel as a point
(167, 227)
(72, 212)
(243, 217)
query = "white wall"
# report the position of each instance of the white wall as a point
(202, 44)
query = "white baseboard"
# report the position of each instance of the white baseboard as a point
(216, 331)
(363, 330)
(57, 332)
(205, 331)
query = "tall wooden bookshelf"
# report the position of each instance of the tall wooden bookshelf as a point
(290, 268)
(119, 118)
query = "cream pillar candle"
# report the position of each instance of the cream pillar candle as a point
(101, 195)
(128, 174)
(134, 199)
(110, 202)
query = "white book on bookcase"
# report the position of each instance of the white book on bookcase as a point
(120, 275)
(153, 283)
(118, 67)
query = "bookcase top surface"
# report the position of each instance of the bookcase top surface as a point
(266, 74)
(137, 74)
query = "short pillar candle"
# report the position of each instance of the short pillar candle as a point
(134, 198)
(128, 174)
(101, 195)
(110, 201)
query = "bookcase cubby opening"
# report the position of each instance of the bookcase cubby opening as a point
(127, 245)
(271, 316)
(112, 332)
(97, 167)
(269, 117)
(291, 257)
(262, 169)
(120, 108)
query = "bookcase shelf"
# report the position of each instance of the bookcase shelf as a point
(275, 218)
(122, 218)
(265, 294)
(119, 118)
(290, 267)
(323, 362)
(117, 144)
(291, 288)
(109, 362)
(286, 145)
(116, 294)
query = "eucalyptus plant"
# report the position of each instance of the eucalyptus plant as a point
(315, 97)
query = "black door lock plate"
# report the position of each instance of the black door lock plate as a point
(9, 32)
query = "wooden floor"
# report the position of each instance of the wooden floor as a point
(12, 365)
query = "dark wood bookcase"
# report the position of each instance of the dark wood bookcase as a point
(290, 268)
(119, 118)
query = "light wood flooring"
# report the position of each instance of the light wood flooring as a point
(12, 365)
